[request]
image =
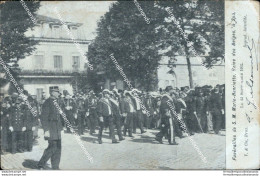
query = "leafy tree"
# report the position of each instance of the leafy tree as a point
(14, 23)
(124, 33)
(198, 23)
(138, 47)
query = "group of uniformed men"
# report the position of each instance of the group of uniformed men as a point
(201, 110)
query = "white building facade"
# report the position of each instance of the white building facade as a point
(56, 60)
(180, 78)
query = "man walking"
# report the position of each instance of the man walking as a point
(51, 123)
(104, 111)
(167, 123)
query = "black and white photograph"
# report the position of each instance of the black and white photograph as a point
(113, 85)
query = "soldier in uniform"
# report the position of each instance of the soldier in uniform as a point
(81, 112)
(5, 106)
(105, 116)
(91, 107)
(52, 126)
(167, 118)
(138, 115)
(17, 125)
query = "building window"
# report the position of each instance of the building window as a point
(74, 32)
(38, 62)
(56, 31)
(76, 62)
(58, 62)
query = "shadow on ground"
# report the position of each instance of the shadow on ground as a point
(32, 164)
(145, 139)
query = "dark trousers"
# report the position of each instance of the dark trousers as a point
(138, 121)
(4, 138)
(216, 119)
(81, 118)
(92, 121)
(118, 126)
(148, 120)
(17, 141)
(192, 123)
(203, 121)
(177, 127)
(128, 125)
(53, 152)
(167, 129)
(108, 121)
(223, 121)
(28, 140)
(69, 116)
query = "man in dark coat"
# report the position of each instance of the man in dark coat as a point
(70, 110)
(5, 117)
(91, 112)
(128, 112)
(105, 116)
(30, 122)
(138, 115)
(17, 125)
(200, 111)
(167, 114)
(81, 112)
(216, 109)
(52, 126)
(114, 99)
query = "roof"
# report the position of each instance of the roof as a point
(46, 19)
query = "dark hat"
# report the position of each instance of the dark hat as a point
(168, 88)
(25, 92)
(54, 89)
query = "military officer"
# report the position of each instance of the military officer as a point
(105, 116)
(17, 125)
(167, 120)
(52, 126)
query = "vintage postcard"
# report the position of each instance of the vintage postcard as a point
(129, 85)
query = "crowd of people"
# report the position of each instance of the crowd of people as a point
(202, 110)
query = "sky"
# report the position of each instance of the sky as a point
(86, 12)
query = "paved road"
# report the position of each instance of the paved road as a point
(140, 152)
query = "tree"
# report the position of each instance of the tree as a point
(124, 33)
(138, 47)
(198, 23)
(14, 23)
